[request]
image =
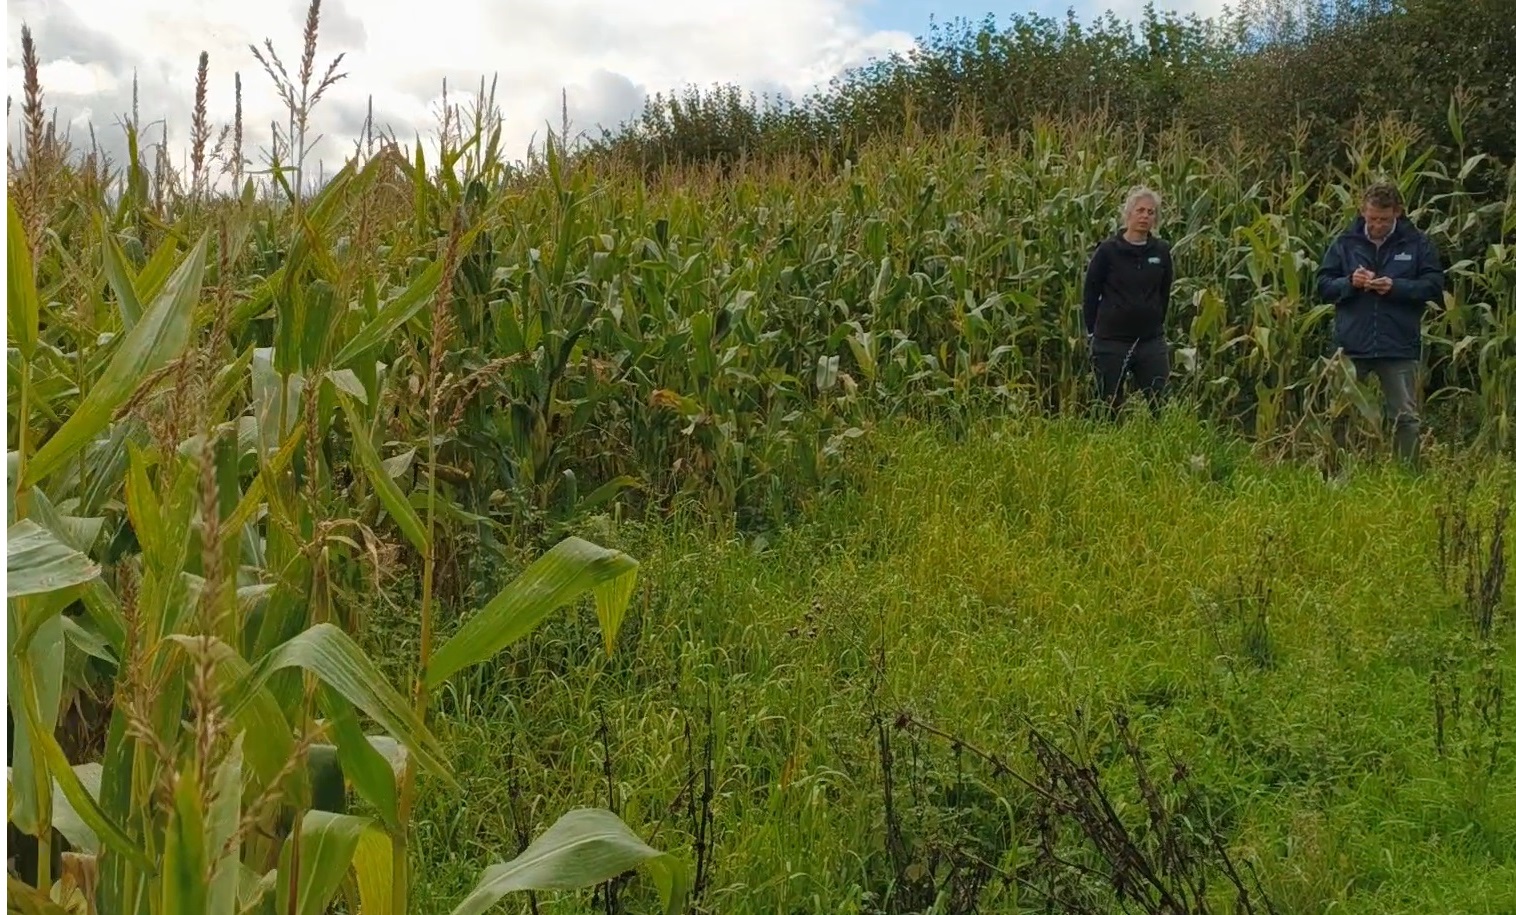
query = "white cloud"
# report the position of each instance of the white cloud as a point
(1132, 9)
(608, 56)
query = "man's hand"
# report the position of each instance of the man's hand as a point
(1363, 278)
(1381, 284)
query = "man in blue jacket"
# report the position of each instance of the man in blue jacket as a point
(1380, 274)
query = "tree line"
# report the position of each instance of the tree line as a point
(1291, 77)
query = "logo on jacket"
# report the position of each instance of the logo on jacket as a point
(1403, 256)
(1155, 259)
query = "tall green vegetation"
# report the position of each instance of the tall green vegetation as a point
(239, 422)
(194, 490)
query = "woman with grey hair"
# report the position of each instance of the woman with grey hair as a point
(1126, 304)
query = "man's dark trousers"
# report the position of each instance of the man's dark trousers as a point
(1397, 381)
(1144, 362)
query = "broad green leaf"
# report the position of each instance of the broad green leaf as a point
(276, 399)
(37, 562)
(39, 610)
(826, 372)
(399, 465)
(571, 568)
(184, 854)
(392, 316)
(118, 877)
(144, 507)
(320, 320)
(253, 500)
(330, 654)
(73, 531)
(328, 788)
(390, 496)
(151, 344)
(585, 847)
(157, 268)
(67, 821)
(119, 275)
(258, 301)
(23, 309)
(391, 749)
(672, 879)
(221, 828)
(362, 763)
(105, 610)
(605, 493)
(252, 887)
(327, 844)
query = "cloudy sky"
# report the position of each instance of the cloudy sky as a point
(608, 56)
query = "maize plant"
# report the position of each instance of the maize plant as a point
(206, 475)
(180, 532)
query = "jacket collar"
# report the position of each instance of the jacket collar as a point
(1122, 244)
(1402, 230)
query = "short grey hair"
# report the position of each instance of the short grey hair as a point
(1140, 192)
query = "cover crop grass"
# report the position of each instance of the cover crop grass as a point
(1304, 648)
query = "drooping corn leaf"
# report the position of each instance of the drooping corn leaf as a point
(86, 640)
(78, 533)
(37, 562)
(612, 596)
(330, 654)
(585, 847)
(564, 573)
(67, 820)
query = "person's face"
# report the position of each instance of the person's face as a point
(1378, 221)
(1142, 215)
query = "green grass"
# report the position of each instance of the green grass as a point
(1012, 575)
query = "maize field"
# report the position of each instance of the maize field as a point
(237, 414)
